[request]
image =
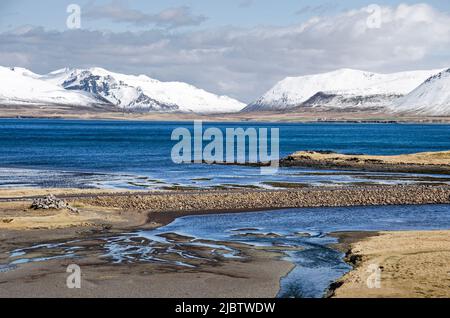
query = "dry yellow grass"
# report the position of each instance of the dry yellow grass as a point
(19, 216)
(428, 158)
(413, 264)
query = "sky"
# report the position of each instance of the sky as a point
(239, 48)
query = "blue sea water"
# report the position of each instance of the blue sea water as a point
(75, 153)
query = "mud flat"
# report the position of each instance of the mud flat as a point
(412, 264)
(426, 162)
(256, 274)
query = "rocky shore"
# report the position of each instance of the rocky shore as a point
(205, 201)
(150, 209)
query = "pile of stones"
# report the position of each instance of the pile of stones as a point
(51, 202)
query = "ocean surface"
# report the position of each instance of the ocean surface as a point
(136, 155)
(302, 235)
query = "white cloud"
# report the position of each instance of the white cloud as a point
(245, 62)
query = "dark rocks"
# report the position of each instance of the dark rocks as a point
(352, 258)
(332, 288)
(51, 202)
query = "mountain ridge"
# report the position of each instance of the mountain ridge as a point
(413, 93)
(432, 97)
(100, 86)
(354, 88)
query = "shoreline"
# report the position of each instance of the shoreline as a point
(412, 264)
(301, 116)
(423, 163)
(149, 209)
(249, 200)
(235, 120)
(115, 213)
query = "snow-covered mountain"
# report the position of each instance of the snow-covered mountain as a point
(342, 88)
(106, 88)
(19, 86)
(142, 92)
(415, 92)
(98, 86)
(431, 98)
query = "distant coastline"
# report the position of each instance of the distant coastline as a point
(304, 116)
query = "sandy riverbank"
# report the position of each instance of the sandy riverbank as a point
(412, 263)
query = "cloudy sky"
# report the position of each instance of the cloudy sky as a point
(238, 48)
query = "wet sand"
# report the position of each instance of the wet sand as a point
(257, 275)
(412, 263)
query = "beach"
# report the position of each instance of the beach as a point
(100, 208)
(413, 264)
(102, 214)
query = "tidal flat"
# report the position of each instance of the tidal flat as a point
(138, 248)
